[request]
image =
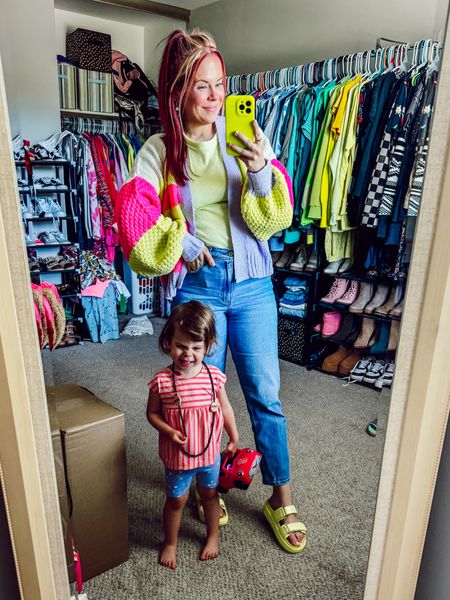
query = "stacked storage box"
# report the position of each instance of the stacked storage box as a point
(67, 82)
(90, 52)
(95, 91)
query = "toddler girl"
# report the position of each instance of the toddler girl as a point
(189, 407)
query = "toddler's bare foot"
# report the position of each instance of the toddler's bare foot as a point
(211, 548)
(168, 556)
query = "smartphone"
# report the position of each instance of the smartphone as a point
(239, 114)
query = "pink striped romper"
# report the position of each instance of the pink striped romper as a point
(196, 394)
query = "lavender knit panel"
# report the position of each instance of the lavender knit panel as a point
(251, 256)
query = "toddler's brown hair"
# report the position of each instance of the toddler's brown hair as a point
(195, 320)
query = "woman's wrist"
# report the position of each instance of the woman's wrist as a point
(260, 182)
(257, 170)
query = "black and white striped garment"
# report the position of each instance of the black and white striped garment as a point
(414, 196)
(390, 188)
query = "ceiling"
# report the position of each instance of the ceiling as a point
(187, 4)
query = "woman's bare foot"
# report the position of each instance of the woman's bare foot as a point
(282, 497)
(168, 556)
(211, 548)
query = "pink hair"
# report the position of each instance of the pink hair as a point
(180, 61)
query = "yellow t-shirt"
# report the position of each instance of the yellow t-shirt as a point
(208, 183)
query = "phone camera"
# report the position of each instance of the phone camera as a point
(248, 110)
(248, 103)
(241, 107)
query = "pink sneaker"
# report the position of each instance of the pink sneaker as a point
(331, 323)
(337, 290)
(351, 294)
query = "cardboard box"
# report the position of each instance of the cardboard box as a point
(61, 483)
(93, 445)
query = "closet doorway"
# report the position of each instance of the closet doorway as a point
(417, 417)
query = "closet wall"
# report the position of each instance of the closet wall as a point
(27, 49)
(32, 33)
(258, 35)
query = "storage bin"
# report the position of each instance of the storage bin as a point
(89, 50)
(145, 292)
(291, 339)
(67, 84)
(95, 91)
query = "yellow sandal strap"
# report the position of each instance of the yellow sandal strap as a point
(281, 513)
(297, 527)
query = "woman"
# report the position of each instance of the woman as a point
(200, 218)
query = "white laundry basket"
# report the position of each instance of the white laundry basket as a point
(145, 292)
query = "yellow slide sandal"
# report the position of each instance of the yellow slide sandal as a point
(201, 512)
(282, 532)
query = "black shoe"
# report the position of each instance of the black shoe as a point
(345, 329)
(354, 333)
(316, 358)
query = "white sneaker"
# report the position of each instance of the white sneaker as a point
(386, 377)
(55, 208)
(42, 207)
(375, 371)
(361, 368)
(26, 213)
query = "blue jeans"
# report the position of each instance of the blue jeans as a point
(178, 482)
(101, 316)
(246, 320)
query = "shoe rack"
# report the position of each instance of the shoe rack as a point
(53, 239)
(366, 324)
(301, 259)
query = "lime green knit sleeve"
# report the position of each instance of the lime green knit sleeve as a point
(267, 200)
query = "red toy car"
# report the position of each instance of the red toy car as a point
(237, 469)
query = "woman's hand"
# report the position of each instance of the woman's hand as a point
(253, 155)
(177, 438)
(203, 258)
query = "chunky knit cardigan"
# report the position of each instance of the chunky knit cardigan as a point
(155, 216)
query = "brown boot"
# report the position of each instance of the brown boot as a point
(331, 363)
(393, 336)
(367, 333)
(346, 365)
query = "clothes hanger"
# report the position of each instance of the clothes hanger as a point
(434, 62)
(424, 49)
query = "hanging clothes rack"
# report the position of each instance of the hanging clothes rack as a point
(106, 124)
(400, 56)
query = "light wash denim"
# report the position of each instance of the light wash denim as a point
(101, 316)
(246, 320)
(178, 482)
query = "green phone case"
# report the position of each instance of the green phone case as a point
(239, 114)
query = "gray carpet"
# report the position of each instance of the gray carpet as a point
(335, 471)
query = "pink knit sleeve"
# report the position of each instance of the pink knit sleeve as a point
(150, 232)
(138, 208)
